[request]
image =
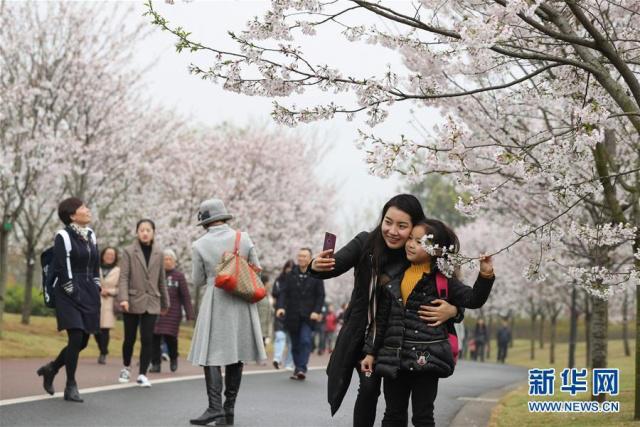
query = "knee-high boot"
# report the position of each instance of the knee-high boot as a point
(232, 379)
(213, 381)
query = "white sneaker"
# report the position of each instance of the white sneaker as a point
(143, 381)
(125, 375)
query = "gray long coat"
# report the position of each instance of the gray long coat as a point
(143, 286)
(228, 328)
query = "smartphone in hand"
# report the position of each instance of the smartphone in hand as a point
(329, 241)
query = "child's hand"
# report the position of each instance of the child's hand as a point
(366, 364)
(486, 266)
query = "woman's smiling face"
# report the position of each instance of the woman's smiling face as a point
(396, 227)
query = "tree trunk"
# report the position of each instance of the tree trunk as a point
(587, 328)
(625, 323)
(28, 285)
(541, 335)
(552, 339)
(532, 354)
(599, 338)
(573, 329)
(512, 321)
(636, 415)
(4, 265)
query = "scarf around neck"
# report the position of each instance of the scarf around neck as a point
(83, 232)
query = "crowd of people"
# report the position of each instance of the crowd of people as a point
(399, 324)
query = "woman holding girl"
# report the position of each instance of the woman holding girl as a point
(372, 255)
(410, 355)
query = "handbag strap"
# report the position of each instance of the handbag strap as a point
(236, 248)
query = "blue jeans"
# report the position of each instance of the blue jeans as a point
(281, 339)
(301, 346)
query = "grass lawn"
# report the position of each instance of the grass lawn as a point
(513, 411)
(41, 339)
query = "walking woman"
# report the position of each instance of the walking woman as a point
(281, 336)
(143, 295)
(227, 331)
(77, 293)
(372, 255)
(109, 276)
(168, 326)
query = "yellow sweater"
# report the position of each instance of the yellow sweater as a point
(412, 276)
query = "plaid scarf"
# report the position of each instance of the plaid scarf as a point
(83, 232)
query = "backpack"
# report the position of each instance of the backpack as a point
(49, 276)
(442, 285)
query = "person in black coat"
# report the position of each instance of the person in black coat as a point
(301, 299)
(77, 292)
(504, 338)
(372, 255)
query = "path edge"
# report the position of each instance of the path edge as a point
(478, 413)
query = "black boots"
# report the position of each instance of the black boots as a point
(213, 381)
(155, 368)
(48, 373)
(232, 379)
(71, 393)
(173, 365)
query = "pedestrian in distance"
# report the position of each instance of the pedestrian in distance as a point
(410, 355)
(372, 255)
(481, 337)
(503, 338)
(281, 338)
(167, 326)
(143, 295)
(109, 277)
(77, 292)
(265, 311)
(330, 327)
(301, 300)
(227, 331)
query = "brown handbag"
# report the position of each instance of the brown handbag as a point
(236, 276)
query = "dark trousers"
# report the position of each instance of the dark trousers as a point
(502, 351)
(147, 322)
(364, 411)
(102, 339)
(421, 388)
(172, 345)
(77, 340)
(479, 351)
(301, 346)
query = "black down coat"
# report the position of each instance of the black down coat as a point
(349, 345)
(404, 342)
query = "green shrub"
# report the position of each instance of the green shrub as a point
(14, 299)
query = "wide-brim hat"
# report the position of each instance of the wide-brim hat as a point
(212, 210)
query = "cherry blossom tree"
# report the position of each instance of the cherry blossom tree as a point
(538, 97)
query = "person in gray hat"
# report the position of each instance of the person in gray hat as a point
(227, 330)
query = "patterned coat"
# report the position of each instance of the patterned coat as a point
(228, 328)
(179, 297)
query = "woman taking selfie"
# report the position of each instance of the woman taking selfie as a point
(372, 255)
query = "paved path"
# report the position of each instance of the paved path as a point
(266, 399)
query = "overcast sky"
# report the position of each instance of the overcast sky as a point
(171, 84)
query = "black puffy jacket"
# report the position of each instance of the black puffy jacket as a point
(405, 342)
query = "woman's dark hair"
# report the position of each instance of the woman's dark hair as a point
(287, 265)
(443, 235)
(375, 244)
(148, 221)
(68, 207)
(103, 251)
